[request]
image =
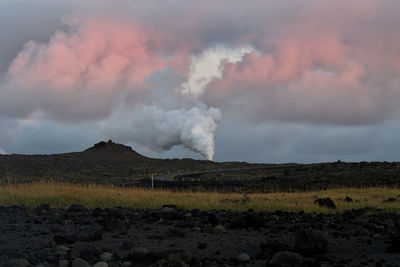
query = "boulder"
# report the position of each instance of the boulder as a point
(325, 202)
(286, 259)
(18, 263)
(311, 242)
(243, 257)
(273, 246)
(80, 263)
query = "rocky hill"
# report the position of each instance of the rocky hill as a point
(105, 162)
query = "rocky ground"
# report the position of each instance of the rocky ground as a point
(78, 236)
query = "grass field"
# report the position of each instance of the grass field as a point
(63, 194)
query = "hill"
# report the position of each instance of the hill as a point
(112, 163)
(104, 162)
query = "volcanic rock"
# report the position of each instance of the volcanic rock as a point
(310, 242)
(325, 202)
(273, 246)
(18, 263)
(286, 259)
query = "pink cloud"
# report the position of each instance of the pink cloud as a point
(93, 62)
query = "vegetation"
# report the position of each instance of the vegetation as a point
(91, 195)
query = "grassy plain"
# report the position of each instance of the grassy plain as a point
(91, 195)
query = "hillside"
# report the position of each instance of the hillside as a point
(105, 162)
(112, 163)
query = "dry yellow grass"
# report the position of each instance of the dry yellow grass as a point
(63, 194)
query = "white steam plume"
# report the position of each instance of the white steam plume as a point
(173, 113)
(160, 129)
(209, 66)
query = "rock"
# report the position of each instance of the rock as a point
(201, 245)
(62, 249)
(80, 263)
(63, 263)
(325, 202)
(238, 222)
(219, 229)
(348, 199)
(127, 264)
(273, 246)
(115, 220)
(95, 236)
(44, 231)
(391, 199)
(65, 239)
(87, 251)
(175, 233)
(394, 246)
(286, 259)
(127, 245)
(310, 242)
(18, 263)
(168, 212)
(73, 254)
(76, 208)
(43, 209)
(101, 264)
(184, 256)
(243, 257)
(253, 220)
(212, 219)
(139, 254)
(106, 256)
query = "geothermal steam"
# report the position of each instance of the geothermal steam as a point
(175, 115)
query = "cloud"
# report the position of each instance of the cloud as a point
(78, 74)
(140, 75)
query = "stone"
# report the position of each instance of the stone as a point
(175, 233)
(73, 254)
(115, 220)
(95, 236)
(310, 242)
(168, 212)
(63, 263)
(127, 264)
(106, 256)
(65, 239)
(348, 199)
(184, 256)
(139, 253)
(391, 199)
(201, 245)
(243, 257)
(18, 263)
(80, 263)
(212, 219)
(76, 208)
(101, 264)
(253, 220)
(273, 246)
(325, 202)
(219, 229)
(394, 246)
(286, 259)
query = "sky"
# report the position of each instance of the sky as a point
(229, 80)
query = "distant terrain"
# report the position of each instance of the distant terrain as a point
(111, 163)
